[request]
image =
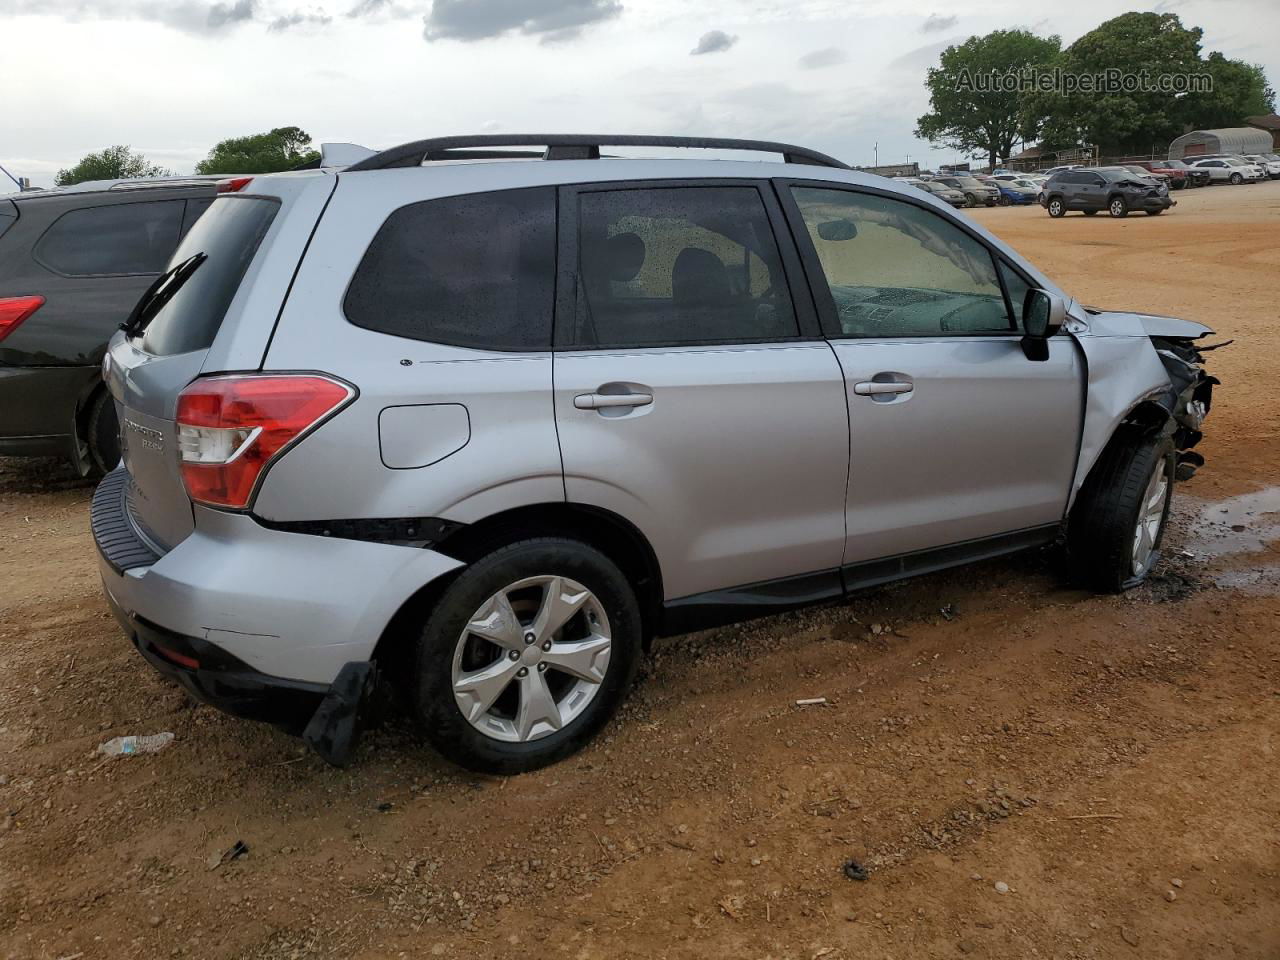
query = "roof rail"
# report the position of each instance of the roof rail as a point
(138, 183)
(571, 147)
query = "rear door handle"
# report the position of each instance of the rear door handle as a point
(599, 401)
(875, 388)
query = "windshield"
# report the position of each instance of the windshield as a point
(221, 245)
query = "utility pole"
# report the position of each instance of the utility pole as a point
(877, 149)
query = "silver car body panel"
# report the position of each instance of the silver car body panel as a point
(735, 472)
(288, 605)
(984, 443)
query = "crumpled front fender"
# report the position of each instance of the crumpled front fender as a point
(1125, 370)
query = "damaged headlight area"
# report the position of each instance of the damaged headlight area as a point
(1191, 396)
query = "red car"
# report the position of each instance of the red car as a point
(1179, 175)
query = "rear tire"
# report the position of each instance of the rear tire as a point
(102, 434)
(1117, 523)
(514, 720)
(1091, 213)
(1056, 207)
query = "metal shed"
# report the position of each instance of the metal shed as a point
(1226, 140)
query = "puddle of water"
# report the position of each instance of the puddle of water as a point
(1243, 524)
(1261, 580)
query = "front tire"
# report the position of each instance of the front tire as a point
(1115, 528)
(1117, 207)
(1235, 179)
(527, 655)
(1156, 212)
(1091, 213)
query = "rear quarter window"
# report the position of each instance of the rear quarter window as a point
(476, 270)
(119, 239)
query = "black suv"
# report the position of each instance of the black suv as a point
(73, 262)
(1113, 189)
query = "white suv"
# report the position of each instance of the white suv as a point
(485, 423)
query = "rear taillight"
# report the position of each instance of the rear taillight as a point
(13, 310)
(231, 428)
(232, 184)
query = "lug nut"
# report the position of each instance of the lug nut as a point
(529, 638)
(546, 645)
(522, 672)
(542, 668)
(514, 654)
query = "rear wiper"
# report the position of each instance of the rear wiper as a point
(160, 293)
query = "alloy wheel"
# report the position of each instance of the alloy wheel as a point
(531, 659)
(1146, 533)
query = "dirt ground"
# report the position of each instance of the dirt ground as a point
(1023, 769)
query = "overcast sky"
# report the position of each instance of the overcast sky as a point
(172, 77)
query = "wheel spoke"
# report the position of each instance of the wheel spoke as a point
(585, 659)
(559, 603)
(478, 689)
(536, 704)
(497, 622)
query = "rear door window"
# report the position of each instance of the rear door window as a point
(228, 235)
(476, 270)
(681, 265)
(120, 239)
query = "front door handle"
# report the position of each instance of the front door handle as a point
(875, 388)
(600, 401)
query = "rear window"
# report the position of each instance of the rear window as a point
(474, 271)
(228, 233)
(121, 239)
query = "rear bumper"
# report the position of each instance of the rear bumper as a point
(213, 676)
(292, 607)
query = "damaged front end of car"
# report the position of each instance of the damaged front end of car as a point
(1190, 396)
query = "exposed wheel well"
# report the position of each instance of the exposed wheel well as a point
(612, 535)
(1146, 418)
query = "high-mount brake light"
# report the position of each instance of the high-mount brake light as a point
(13, 310)
(233, 184)
(231, 428)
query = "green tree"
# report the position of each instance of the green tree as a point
(282, 149)
(965, 113)
(1239, 90)
(1124, 121)
(113, 163)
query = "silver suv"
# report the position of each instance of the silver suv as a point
(483, 430)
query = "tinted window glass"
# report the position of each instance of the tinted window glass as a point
(906, 272)
(123, 238)
(474, 271)
(194, 209)
(679, 265)
(228, 234)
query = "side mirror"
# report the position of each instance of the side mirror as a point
(838, 230)
(1043, 315)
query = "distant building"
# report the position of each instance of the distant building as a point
(1269, 123)
(893, 170)
(1226, 140)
